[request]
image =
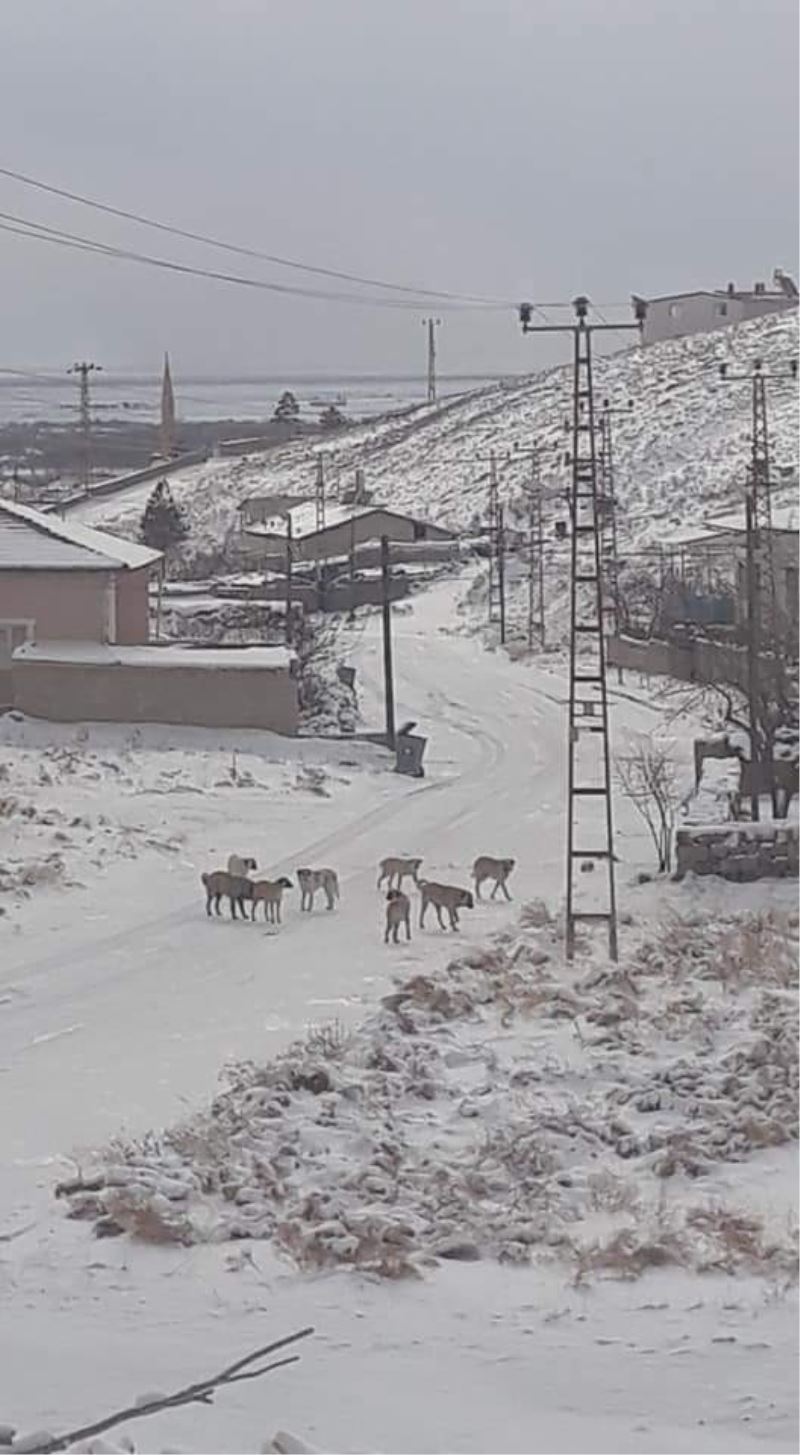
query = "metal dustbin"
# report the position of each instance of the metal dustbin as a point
(410, 749)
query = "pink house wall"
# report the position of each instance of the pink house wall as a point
(133, 611)
(63, 605)
(74, 605)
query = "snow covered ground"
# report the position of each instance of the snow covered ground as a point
(685, 443)
(120, 1002)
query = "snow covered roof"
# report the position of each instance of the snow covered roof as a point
(104, 654)
(304, 519)
(723, 293)
(784, 518)
(31, 540)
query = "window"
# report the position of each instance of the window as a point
(419, 530)
(13, 633)
(722, 310)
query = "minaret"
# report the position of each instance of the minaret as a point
(167, 413)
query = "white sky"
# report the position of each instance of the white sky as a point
(517, 148)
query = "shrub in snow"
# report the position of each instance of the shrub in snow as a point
(492, 1108)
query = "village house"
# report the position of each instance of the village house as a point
(703, 310)
(75, 641)
(346, 528)
(61, 581)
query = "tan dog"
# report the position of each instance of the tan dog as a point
(220, 883)
(497, 869)
(398, 912)
(270, 893)
(310, 880)
(443, 896)
(398, 869)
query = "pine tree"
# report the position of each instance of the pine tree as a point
(164, 522)
(287, 408)
(332, 418)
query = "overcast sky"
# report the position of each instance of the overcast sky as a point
(511, 148)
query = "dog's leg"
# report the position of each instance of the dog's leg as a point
(504, 888)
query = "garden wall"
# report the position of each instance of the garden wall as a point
(740, 852)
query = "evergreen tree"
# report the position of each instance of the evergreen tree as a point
(164, 522)
(287, 409)
(332, 418)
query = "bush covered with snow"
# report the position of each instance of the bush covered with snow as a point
(494, 1109)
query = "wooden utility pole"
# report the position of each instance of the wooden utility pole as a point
(388, 675)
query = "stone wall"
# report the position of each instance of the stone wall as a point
(738, 851)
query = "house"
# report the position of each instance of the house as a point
(61, 581)
(346, 528)
(785, 549)
(676, 314)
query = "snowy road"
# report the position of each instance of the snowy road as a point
(116, 1013)
(122, 1016)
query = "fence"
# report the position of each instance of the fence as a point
(692, 661)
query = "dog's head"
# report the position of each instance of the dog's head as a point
(250, 865)
(285, 883)
(508, 865)
(393, 894)
(467, 899)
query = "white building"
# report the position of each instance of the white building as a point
(677, 314)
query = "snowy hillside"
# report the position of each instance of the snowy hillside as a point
(683, 450)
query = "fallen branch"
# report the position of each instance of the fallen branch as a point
(199, 1393)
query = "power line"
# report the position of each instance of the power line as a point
(245, 252)
(24, 227)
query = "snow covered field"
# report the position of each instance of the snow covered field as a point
(625, 1123)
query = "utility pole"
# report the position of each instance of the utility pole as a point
(388, 676)
(753, 649)
(534, 496)
(497, 605)
(608, 515)
(590, 837)
(289, 556)
(83, 370)
(501, 572)
(319, 512)
(431, 324)
(762, 603)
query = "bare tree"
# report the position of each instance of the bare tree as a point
(648, 779)
(201, 1392)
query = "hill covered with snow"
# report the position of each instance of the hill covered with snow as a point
(681, 453)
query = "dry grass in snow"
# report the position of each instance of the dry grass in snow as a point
(508, 1107)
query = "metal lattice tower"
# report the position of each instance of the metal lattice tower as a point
(758, 493)
(83, 370)
(608, 511)
(432, 324)
(590, 825)
(534, 497)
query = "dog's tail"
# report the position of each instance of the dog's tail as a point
(335, 885)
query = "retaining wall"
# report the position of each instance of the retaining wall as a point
(741, 852)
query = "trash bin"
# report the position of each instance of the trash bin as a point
(410, 749)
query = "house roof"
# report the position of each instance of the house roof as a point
(33, 541)
(304, 519)
(722, 293)
(784, 518)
